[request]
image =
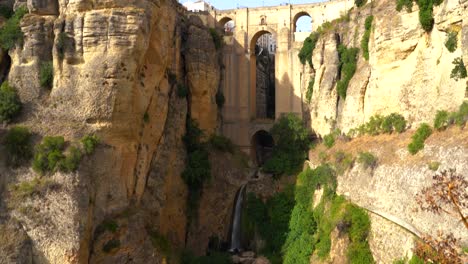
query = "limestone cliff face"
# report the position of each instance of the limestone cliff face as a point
(116, 68)
(408, 71)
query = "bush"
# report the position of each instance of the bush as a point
(18, 145)
(305, 54)
(459, 71)
(217, 39)
(417, 143)
(10, 33)
(367, 159)
(442, 120)
(366, 37)
(310, 90)
(6, 11)
(452, 41)
(46, 75)
(404, 3)
(49, 156)
(348, 60)
(89, 143)
(461, 116)
(182, 91)
(360, 3)
(71, 161)
(61, 40)
(433, 165)
(10, 104)
(381, 124)
(220, 100)
(329, 140)
(343, 161)
(221, 143)
(292, 143)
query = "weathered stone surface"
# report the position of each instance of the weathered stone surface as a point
(15, 245)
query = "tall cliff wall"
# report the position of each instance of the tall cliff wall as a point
(408, 71)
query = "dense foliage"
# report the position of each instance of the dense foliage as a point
(459, 71)
(329, 140)
(360, 3)
(89, 143)
(366, 37)
(305, 54)
(46, 74)
(404, 3)
(310, 90)
(381, 125)
(451, 42)
(6, 11)
(417, 143)
(10, 104)
(10, 33)
(292, 141)
(444, 119)
(426, 8)
(18, 145)
(348, 60)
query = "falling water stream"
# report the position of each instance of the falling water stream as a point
(236, 221)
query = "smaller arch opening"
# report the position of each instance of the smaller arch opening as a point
(228, 25)
(262, 147)
(302, 26)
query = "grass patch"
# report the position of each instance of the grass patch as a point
(367, 159)
(366, 37)
(10, 104)
(417, 143)
(459, 70)
(348, 60)
(46, 75)
(10, 33)
(452, 41)
(305, 54)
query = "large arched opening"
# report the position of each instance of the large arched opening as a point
(262, 75)
(302, 26)
(262, 147)
(228, 25)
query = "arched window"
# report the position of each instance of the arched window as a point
(302, 22)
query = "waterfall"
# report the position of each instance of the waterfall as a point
(236, 221)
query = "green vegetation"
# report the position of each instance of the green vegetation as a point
(417, 143)
(71, 161)
(46, 75)
(221, 143)
(348, 60)
(292, 143)
(310, 90)
(18, 145)
(10, 104)
(451, 42)
(160, 242)
(405, 3)
(198, 167)
(459, 71)
(359, 225)
(146, 117)
(381, 125)
(445, 119)
(89, 143)
(27, 189)
(366, 37)
(6, 11)
(360, 3)
(343, 161)
(10, 33)
(108, 225)
(217, 39)
(220, 100)
(111, 245)
(367, 159)
(305, 54)
(329, 140)
(182, 91)
(442, 120)
(61, 40)
(433, 165)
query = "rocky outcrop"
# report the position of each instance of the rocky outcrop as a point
(408, 71)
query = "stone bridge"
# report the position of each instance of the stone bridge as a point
(239, 76)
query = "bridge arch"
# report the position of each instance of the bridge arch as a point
(300, 15)
(228, 24)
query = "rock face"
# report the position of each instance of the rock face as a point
(408, 71)
(117, 66)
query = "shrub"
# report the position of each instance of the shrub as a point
(459, 71)
(10, 33)
(109, 225)
(433, 165)
(360, 3)
(461, 116)
(381, 124)
(417, 143)
(221, 143)
(367, 159)
(220, 100)
(89, 143)
(366, 37)
(329, 140)
(111, 245)
(451, 42)
(292, 143)
(46, 75)
(442, 120)
(10, 104)
(18, 145)
(217, 39)
(310, 90)
(404, 3)
(348, 60)
(61, 40)
(30, 188)
(49, 156)
(305, 54)
(71, 161)
(160, 242)
(343, 161)
(182, 91)
(6, 11)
